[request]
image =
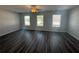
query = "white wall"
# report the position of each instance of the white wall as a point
(47, 21)
(73, 27)
(9, 22)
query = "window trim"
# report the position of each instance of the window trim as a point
(36, 20)
(59, 20)
(29, 20)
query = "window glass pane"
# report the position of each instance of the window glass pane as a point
(56, 20)
(27, 20)
(39, 20)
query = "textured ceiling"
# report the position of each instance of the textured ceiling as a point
(26, 8)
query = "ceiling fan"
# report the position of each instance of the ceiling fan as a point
(35, 8)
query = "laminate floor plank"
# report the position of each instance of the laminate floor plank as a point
(31, 41)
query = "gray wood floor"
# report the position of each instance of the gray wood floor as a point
(29, 41)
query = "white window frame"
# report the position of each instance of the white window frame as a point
(54, 23)
(41, 25)
(26, 23)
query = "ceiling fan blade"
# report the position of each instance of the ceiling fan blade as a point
(39, 6)
(28, 6)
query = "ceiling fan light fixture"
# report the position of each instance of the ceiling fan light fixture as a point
(34, 10)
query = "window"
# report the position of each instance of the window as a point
(39, 20)
(56, 20)
(27, 20)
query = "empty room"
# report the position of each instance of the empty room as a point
(39, 29)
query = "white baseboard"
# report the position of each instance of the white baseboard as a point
(73, 35)
(8, 32)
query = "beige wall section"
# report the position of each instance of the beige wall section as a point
(73, 28)
(9, 22)
(47, 21)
